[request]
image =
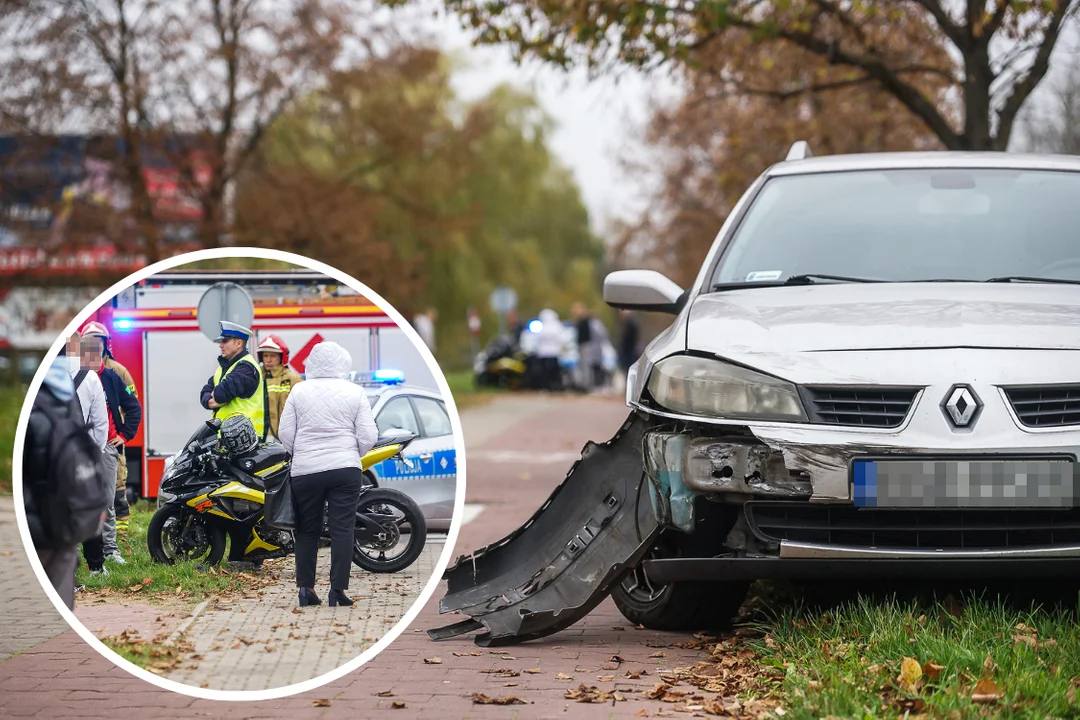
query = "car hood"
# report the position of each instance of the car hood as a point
(781, 329)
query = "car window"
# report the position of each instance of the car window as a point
(397, 415)
(909, 225)
(433, 416)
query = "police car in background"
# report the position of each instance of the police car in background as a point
(429, 472)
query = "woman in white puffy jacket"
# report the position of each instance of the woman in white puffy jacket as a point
(327, 426)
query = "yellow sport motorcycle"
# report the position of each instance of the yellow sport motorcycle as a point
(208, 495)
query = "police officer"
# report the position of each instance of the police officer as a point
(237, 387)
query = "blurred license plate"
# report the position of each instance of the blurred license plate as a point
(921, 483)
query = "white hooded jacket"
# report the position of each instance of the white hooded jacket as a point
(552, 336)
(326, 423)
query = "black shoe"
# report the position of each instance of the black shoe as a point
(338, 597)
(308, 597)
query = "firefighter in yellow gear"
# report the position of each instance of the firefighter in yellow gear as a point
(280, 378)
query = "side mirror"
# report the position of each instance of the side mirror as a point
(643, 290)
(396, 435)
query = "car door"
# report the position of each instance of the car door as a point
(415, 477)
(438, 456)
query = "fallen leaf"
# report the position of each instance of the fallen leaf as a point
(910, 674)
(482, 699)
(986, 691)
(813, 686)
(563, 676)
(385, 693)
(617, 627)
(988, 663)
(641, 713)
(433, 661)
(660, 654)
(932, 670)
(297, 610)
(606, 678)
(324, 702)
(532, 671)
(397, 705)
(510, 684)
(616, 659)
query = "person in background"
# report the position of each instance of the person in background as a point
(584, 326)
(424, 324)
(628, 340)
(123, 512)
(124, 416)
(593, 354)
(279, 377)
(90, 396)
(327, 426)
(549, 346)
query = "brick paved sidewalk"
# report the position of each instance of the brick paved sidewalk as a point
(28, 618)
(257, 641)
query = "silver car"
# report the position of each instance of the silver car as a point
(876, 372)
(429, 473)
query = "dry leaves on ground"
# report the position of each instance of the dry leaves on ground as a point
(482, 699)
(322, 702)
(986, 691)
(593, 694)
(563, 676)
(932, 670)
(910, 675)
(433, 661)
(501, 672)
(532, 671)
(397, 705)
(385, 693)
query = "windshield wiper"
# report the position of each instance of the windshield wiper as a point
(1028, 278)
(803, 279)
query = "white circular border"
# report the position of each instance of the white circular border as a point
(233, 695)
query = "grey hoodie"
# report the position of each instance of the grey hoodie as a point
(326, 423)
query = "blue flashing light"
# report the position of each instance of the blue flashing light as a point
(389, 377)
(535, 326)
(122, 324)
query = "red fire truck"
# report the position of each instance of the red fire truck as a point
(155, 334)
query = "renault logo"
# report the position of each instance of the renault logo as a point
(961, 406)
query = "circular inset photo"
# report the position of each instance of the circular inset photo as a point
(240, 474)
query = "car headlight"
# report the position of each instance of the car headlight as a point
(711, 388)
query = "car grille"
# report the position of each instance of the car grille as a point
(861, 407)
(912, 528)
(1037, 407)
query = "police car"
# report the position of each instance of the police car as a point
(429, 473)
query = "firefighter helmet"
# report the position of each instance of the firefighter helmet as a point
(96, 329)
(274, 343)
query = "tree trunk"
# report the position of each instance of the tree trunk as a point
(977, 78)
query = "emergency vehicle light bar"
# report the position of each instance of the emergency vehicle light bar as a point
(379, 377)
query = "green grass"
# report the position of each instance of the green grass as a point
(466, 394)
(183, 582)
(11, 400)
(845, 662)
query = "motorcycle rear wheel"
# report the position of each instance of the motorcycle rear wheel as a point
(409, 519)
(165, 538)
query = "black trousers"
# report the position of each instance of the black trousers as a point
(94, 552)
(337, 492)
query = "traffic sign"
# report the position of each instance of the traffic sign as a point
(503, 299)
(224, 301)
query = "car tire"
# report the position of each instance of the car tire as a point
(682, 606)
(690, 605)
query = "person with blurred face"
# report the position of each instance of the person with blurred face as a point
(123, 414)
(90, 395)
(95, 329)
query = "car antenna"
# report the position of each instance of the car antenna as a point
(799, 151)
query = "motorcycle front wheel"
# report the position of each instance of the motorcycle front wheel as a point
(403, 531)
(175, 534)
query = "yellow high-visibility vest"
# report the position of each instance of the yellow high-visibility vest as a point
(253, 407)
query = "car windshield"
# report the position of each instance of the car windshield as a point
(909, 225)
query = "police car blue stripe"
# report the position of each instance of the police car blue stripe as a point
(415, 469)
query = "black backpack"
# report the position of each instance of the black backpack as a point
(74, 496)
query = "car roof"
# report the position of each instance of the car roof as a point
(379, 391)
(918, 160)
